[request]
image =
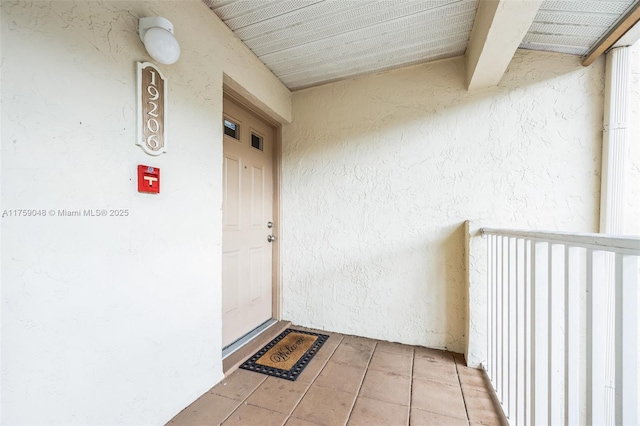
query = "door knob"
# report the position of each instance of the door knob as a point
(271, 238)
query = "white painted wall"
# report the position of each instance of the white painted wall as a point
(112, 320)
(380, 172)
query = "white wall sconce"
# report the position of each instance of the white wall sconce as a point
(156, 34)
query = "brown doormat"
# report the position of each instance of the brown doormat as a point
(286, 355)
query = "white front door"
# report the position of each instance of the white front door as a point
(247, 210)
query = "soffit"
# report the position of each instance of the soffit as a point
(573, 26)
(311, 42)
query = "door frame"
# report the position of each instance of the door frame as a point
(245, 102)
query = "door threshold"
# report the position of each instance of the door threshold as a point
(237, 352)
(229, 349)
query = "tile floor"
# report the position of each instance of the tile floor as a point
(353, 381)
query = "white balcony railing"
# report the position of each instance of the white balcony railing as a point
(558, 351)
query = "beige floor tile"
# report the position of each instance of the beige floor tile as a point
(312, 370)
(424, 418)
(239, 384)
(395, 348)
(298, 422)
(459, 359)
(327, 350)
(480, 407)
(325, 406)
(378, 373)
(391, 363)
(359, 341)
(433, 354)
(367, 412)
(387, 387)
(342, 377)
(437, 397)
(334, 338)
(472, 378)
(352, 355)
(247, 415)
(278, 395)
(209, 409)
(444, 372)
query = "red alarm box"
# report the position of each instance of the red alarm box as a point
(148, 179)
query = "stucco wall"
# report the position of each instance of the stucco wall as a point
(112, 320)
(380, 172)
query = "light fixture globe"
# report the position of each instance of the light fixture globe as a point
(157, 36)
(161, 45)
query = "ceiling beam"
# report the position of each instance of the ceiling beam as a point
(618, 31)
(497, 32)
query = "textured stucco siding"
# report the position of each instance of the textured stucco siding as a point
(112, 320)
(380, 172)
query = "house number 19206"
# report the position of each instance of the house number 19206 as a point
(152, 98)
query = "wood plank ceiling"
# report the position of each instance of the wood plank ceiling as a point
(311, 42)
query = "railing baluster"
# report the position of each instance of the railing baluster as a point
(494, 314)
(520, 331)
(550, 326)
(511, 365)
(556, 347)
(610, 357)
(626, 339)
(505, 324)
(489, 365)
(528, 317)
(540, 327)
(532, 327)
(596, 336)
(496, 299)
(499, 301)
(572, 332)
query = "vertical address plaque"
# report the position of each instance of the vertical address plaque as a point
(152, 98)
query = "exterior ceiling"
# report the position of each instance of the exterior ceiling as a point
(573, 26)
(310, 42)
